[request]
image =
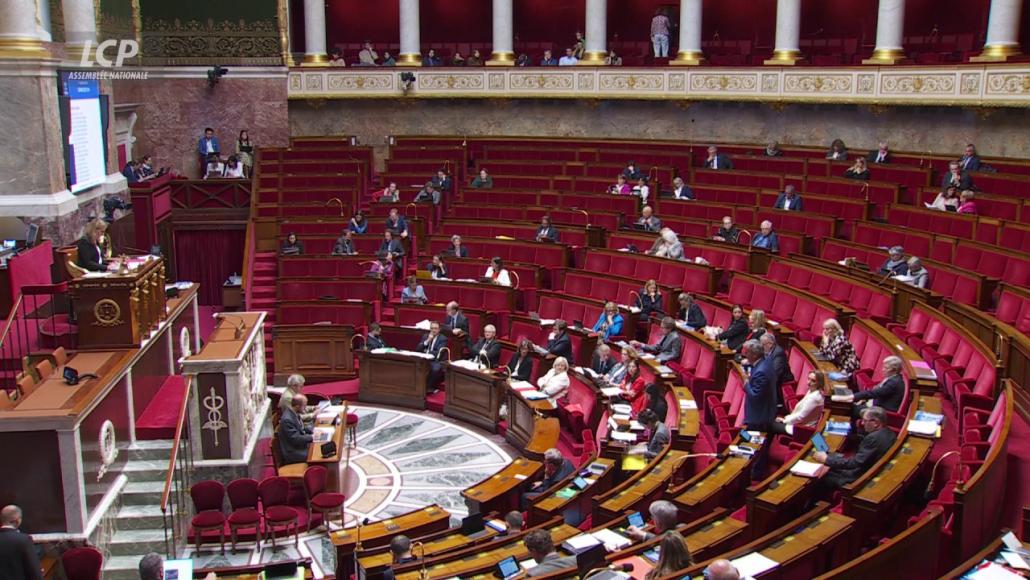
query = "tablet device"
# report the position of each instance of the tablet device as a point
(635, 520)
(508, 567)
(819, 442)
(580, 483)
(744, 435)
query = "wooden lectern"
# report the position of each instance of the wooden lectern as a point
(119, 309)
(474, 396)
(393, 378)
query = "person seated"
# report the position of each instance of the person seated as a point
(967, 204)
(522, 60)
(497, 273)
(294, 437)
(609, 323)
(383, 268)
(540, 546)
(721, 569)
(388, 59)
(667, 245)
(717, 160)
(443, 182)
(766, 238)
(569, 59)
(602, 361)
(835, 347)
(400, 553)
(548, 59)
(970, 161)
(145, 169)
(432, 343)
(773, 150)
(368, 56)
(896, 264)
(614, 376)
(344, 245)
(888, 394)
(674, 554)
(691, 313)
(131, 172)
(789, 200)
(374, 339)
(946, 200)
(457, 59)
(233, 168)
(681, 190)
(736, 333)
(621, 187)
(389, 194)
(358, 224)
(555, 384)
(858, 171)
(396, 223)
(215, 167)
(474, 59)
(669, 346)
(809, 409)
(513, 524)
(456, 250)
(579, 46)
(428, 193)
(612, 59)
(728, 232)
(917, 276)
(336, 57)
(642, 189)
(664, 518)
(455, 323)
(92, 248)
(487, 350)
(881, 155)
(648, 221)
(631, 389)
(483, 180)
(655, 401)
(650, 300)
(632, 172)
(438, 269)
(957, 177)
(432, 59)
(757, 324)
(520, 366)
(837, 152)
(413, 293)
(877, 441)
(659, 433)
(291, 246)
(558, 343)
(546, 232)
(391, 246)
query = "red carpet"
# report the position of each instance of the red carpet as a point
(346, 390)
(158, 419)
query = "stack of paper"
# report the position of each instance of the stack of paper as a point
(611, 391)
(623, 436)
(926, 428)
(808, 469)
(753, 564)
(546, 321)
(688, 404)
(610, 538)
(522, 386)
(580, 543)
(927, 416)
(622, 409)
(838, 427)
(322, 434)
(533, 395)
(424, 325)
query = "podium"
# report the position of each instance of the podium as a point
(474, 396)
(119, 309)
(393, 378)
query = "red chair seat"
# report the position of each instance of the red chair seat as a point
(244, 516)
(280, 513)
(352, 419)
(208, 519)
(328, 500)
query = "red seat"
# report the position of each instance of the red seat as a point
(243, 499)
(274, 492)
(320, 500)
(83, 563)
(208, 497)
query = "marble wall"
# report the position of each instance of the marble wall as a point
(173, 113)
(31, 159)
(1001, 132)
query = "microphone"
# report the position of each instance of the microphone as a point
(483, 359)
(624, 567)
(239, 329)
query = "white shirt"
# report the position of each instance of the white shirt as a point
(678, 193)
(210, 145)
(788, 201)
(643, 191)
(807, 411)
(567, 61)
(234, 172)
(554, 384)
(502, 277)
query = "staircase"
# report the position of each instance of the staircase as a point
(266, 269)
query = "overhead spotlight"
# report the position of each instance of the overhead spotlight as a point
(214, 74)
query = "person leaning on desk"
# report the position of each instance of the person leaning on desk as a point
(90, 255)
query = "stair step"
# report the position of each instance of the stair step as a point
(155, 449)
(138, 517)
(143, 493)
(137, 542)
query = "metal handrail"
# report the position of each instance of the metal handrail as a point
(179, 467)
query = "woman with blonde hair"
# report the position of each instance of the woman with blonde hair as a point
(809, 409)
(650, 299)
(675, 555)
(836, 348)
(91, 255)
(555, 384)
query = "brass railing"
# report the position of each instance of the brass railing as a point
(175, 494)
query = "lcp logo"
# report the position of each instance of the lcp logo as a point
(126, 49)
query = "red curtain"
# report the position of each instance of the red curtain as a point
(208, 257)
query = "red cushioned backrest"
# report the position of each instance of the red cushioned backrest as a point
(705, 367)
(243, 493)
(841, 292)
(528, 329)
(764, 300)
(740, 291)
(577, 284)
(820, 284)
(782, 308)
(935, 330)
(624, 266)
(582, 395)
(796, 360)
(800, 278)
(780, 272)
(1009, 307)
(949, 343)
(691, 352)
(1017, 271)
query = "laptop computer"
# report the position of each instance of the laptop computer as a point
(472, 524)
(590, 559)
(508, 568)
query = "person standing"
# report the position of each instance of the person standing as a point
(18, 557)
(759, 400)
(206, 147)
(660, 34)
(245, 152)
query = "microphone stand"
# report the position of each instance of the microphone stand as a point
(422, 573)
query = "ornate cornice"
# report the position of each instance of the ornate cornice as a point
(969, 85)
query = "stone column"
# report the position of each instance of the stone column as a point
(314, 34)
(411, 43)
(19, 33)
(504, 43)
(788, 33)
(890, 28)
(1002, 31)
(690, 34)
(80, 28)
(595, 50)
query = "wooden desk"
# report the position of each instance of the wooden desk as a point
(53, 393)
(714, 485)
(494, 492)
(571, 508)
(331, 462)
(529, 430)
(688, 423)
(706, 536)
(393, 378)
(879, 493)
(373, 565)
(643, 486)
(118, 310)
(474, 396)
(988, 552)
(320, 352)
(894, 558)
(413, 524)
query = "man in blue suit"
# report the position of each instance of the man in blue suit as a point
(433, 343)
(759, 400)
(207, 145)
(789, 200)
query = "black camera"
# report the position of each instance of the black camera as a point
(216, 73)
(113, 203)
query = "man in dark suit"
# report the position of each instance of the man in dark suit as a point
(442, 181)
(896, 264)
(546, 232)
(556, 468)
(681, 190)
(881, 155)
(778, 357)
(957, 177)
(432, 343)
(392, 246)
(887, 395)
(789, 199)
(970, 161)
(294, 437)
(540, 546)
(717, 160)
(455, 322)
(18, 557)
(428, 193)
(669, 347)
(559, 343)
(648, 221)
(659, 433)
(602, 361)
(396, 223)
(374, 340)
(877, 440)
(400, 553)
(487, 349)
(344, 245)
(207, 146)
(759, 400)
(631, 172)
(456, 250)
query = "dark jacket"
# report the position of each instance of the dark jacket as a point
(735, 334)
(343, 247)
(899, 269)
(294, 249)
(566, 469)
(770, 242)
(18, 557)
(394, 247)
(431, 345)
(964, 181)
(685, 192)
(525, 370)
(659, 439)
(779, 363)
(600, 367)
(462, 253)
(89, 256)
(548, 233)
(730, 235)
(873, 446)
(695, 318)
(551, 563)
(560, 345)
(796, 204)
(888, 394)
(667, 349)
(760, 395)
(649, 306)
(449, 323)
(971, 163)
(874, 155)
(862, 175)
(294, 438)
(400, 226)
(374, 342)
(724, 162)
(493, 351)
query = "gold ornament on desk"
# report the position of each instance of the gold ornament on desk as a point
(107, 312)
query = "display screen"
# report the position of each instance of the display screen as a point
(82, 124)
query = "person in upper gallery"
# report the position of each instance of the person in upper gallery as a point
(967, 203)
(668, 348)
(457, 250)
(918, 276)
(660, 436)
(374, 340)
(660, 34)
(540, 547)
(483, 181)
(487, 348)
(956, 176)
(736, 333)
(609, 323)
(558, 343)
(888, 394)
(336, 57)
(837, 152)
(555, 384)
(602, 361)
(291, 246)
(294, 437)
(520, 367)
(358, 224)
(970, 161)
(392, 246)
(896, 264)
(664, 517)
(397, 224)
(368, 56)
(215, 168)
(522, 60)
(728, 232)
(548, 59)
(388, 59)
(789, 200)
(546, 232)
(207, 146)
(400, 553)
(428, 193)
(621, 187)
(131, 171)
(877, 441)
(18, 557)
(443, 182)
(648, 221)
(836, 348)
(413, 293)
(432, 343)
(233, 168)
(656, 401)
(613, 59)
(673, 555)
(766, 238)
(773, 150)
(455, 323)
(497, 273)
(650, 300)
(579, 45)
(438, 268)
(474, 59)
(667, 245)
(681, 190)
(432, 59)
(691, 313)
(946, 200)
(631, 390)
(631, 172)
(569, 59)
(344, 245)
(457, 59)
(881, 155)
(389, 194)
(809, 409)
(245, 151)
(642, 189)
(721, 569)
(860, 170)
(717, 160)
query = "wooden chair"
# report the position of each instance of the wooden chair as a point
(320, 500)
(243, 498)
(83, 563)
(6, 401)
(208, 497)
(274, 492)
(71, 259)
(44, 369)
(60, 356)
(292, 471)
(26, 384)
